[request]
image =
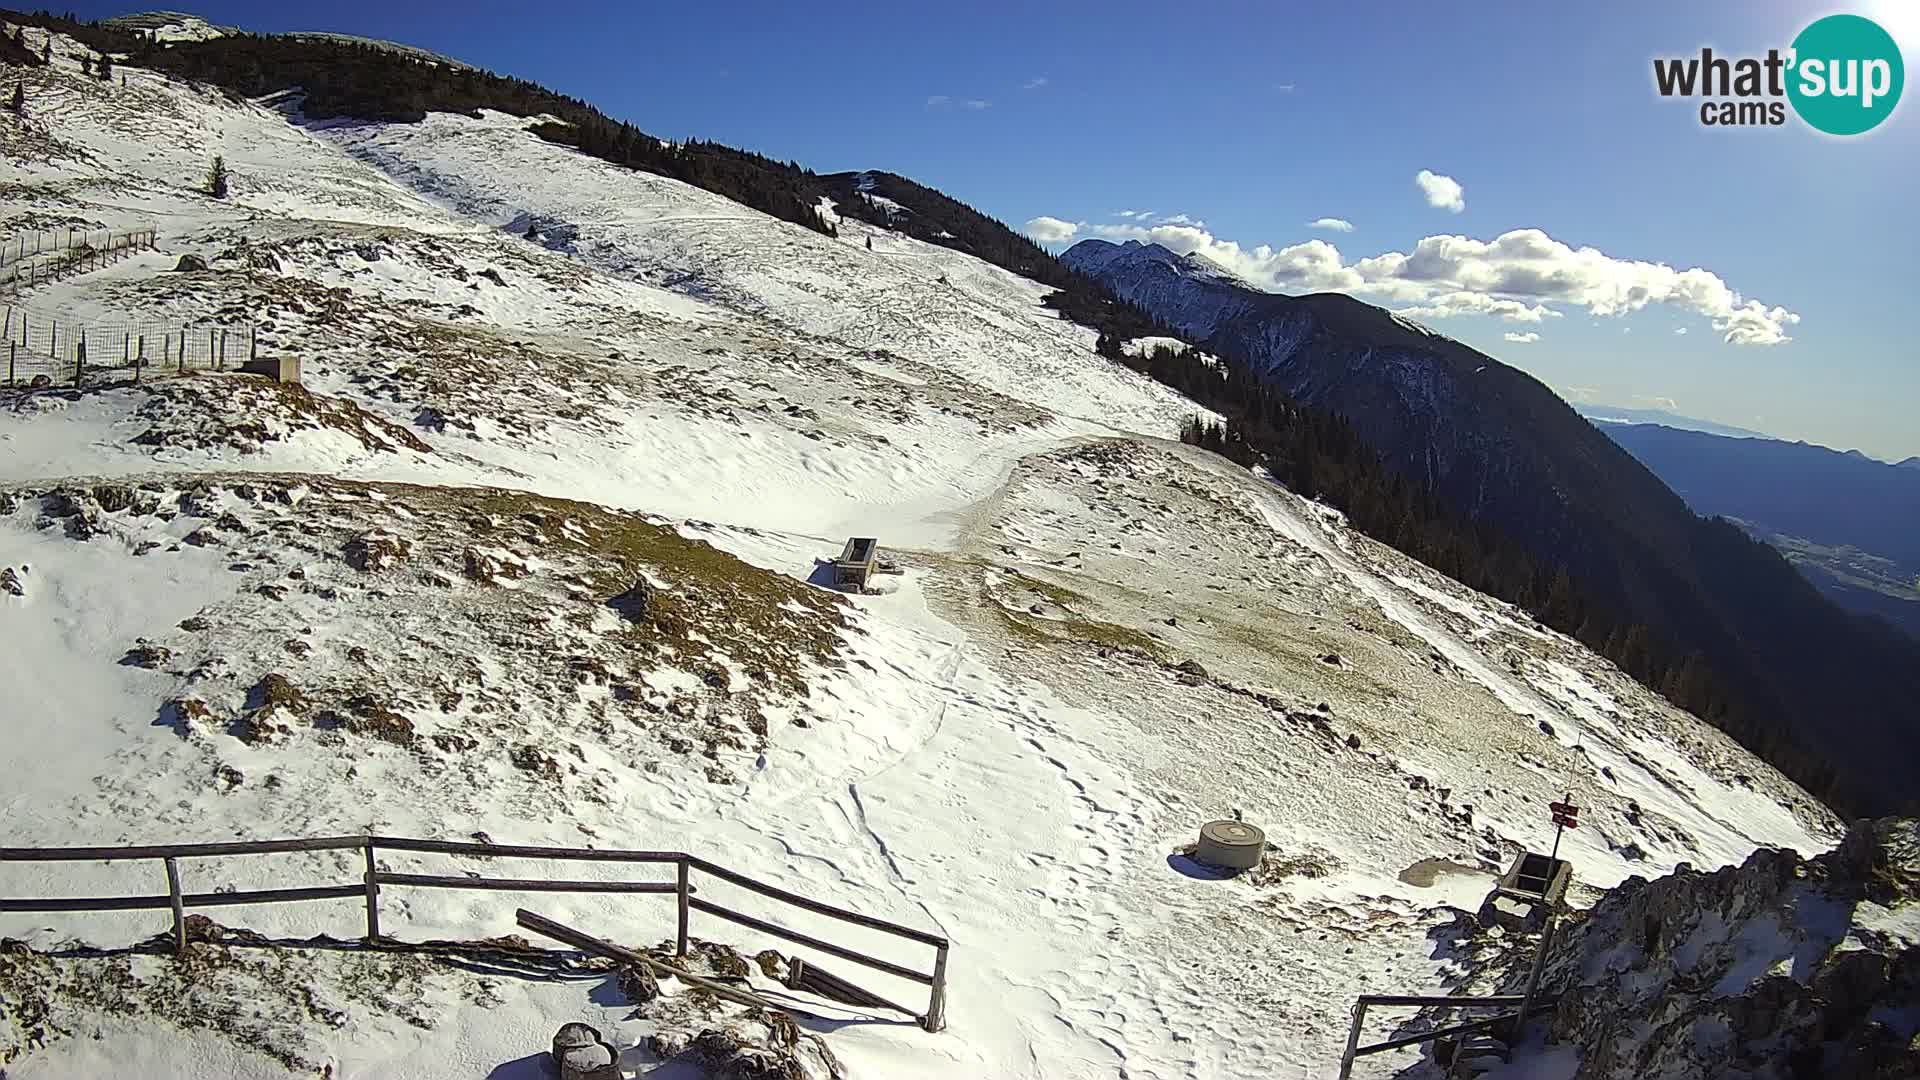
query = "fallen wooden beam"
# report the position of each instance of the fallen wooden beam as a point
(546, 927)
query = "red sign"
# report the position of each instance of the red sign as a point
(1565, 815)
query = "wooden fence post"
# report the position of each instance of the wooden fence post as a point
(11, 349)
(179, 908)
(80, 359)
(373, 899)
(214, 356)
(681, 940)
(936, 1019)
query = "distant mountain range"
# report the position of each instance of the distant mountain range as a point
(1620, 414)
(1851, 523)
(1499, 446)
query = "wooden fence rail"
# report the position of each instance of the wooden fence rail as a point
(373, 879)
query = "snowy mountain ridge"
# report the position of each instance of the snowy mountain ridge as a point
(534, 554)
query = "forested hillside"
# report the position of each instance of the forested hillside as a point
(1690, 606)
(366, 82)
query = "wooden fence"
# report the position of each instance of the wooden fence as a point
(373, 880)
(62, 349)
(46, 254)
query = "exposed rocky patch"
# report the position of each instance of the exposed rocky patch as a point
(1778, 967)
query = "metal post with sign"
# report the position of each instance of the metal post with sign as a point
(1565, 816)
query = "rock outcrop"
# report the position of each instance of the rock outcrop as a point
(1779, 967)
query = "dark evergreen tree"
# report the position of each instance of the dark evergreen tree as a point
(217, 178)
(18, 103)
(103, 68)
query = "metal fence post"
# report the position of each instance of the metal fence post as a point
(1533, 976)
(680, 948)
(373, 898)
(179, 908)
(936, 1019)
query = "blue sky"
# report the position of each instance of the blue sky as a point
(1257, 119)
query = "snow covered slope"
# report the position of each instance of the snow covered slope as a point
(534, 555)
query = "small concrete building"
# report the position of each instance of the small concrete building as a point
(285, 369)
(856, 562)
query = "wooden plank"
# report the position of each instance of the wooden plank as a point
(1467, 1028)
(444, 881)
(271, 896)
(370, 882)
(816, 906)
(683, 888)
(521, 851)
(546, 927)
(87, 903)
(936, 1018)
(192, 900)
(179, 908)
(1439, 999)
(179, 851)
(815, 979)
(798, 938)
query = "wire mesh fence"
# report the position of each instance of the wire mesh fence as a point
(46, 254)
(52, 350)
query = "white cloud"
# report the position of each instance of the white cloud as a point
(1051, 230)
(1452, 304)
(1034, 83)
(1527, 338)
(1753, 323)
(937, 100)
(1529, 265)
(1331, 224)
(1682, 331)
(1312, 266)
(976, 103)
(1442, 191)
(1582, 393)
(1182, 219)
(1522, 276)
(1285, 87)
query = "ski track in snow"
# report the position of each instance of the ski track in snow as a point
(772, 391)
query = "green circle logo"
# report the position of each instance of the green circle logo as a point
(1846, 74)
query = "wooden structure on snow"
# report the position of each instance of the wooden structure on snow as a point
(857, 562)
